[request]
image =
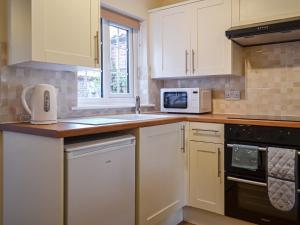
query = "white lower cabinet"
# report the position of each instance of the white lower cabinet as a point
(161, 169)
(33, 173)
(206, 167)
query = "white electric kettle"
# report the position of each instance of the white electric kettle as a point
(43, 104)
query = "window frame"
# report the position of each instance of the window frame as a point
(106, 61)
(108, 98)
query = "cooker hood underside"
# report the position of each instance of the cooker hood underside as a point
(272, 32)
(270, 38)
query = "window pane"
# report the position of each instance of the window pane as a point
(89, 84)
(119, 56)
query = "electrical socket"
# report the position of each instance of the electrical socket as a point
(232, 95)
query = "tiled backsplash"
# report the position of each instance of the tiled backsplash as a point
(271, 85)
(13, 80)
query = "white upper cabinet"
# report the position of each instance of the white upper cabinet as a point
(170, 42)
(256, 11)
(189, 40)
(212, 53)
(61, 32)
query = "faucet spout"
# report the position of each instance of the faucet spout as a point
(137, 105)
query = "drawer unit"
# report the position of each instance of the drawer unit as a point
(206, 132)
(206, 167)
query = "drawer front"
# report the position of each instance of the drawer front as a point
(207, 132)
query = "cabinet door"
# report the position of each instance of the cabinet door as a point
(161, 166)
(65, 32)
(170, 42)
(206, 189)
(211, 50)
(256, 11)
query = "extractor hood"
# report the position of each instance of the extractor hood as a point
(272, 32)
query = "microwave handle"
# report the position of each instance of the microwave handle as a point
(247, 181)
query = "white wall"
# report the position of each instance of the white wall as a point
(135, 8)
(2, 20)
(168, 2)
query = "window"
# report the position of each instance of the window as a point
(119, 62)
(115, 84)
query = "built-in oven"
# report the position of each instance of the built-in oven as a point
(246, 192)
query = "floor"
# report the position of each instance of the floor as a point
(185, 223)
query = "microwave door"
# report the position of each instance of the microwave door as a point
(175, 100)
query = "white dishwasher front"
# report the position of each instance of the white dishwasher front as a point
(100, 182)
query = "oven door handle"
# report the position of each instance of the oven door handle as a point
(261, 149)
(247, 181)
(261, 184)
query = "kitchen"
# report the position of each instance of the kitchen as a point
(215, 100)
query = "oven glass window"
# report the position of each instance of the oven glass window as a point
(176, 100)
(247, 201)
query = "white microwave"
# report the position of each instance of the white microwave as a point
(185, 100)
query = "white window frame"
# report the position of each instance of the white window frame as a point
(110, 99)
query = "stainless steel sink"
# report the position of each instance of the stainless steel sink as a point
(139, 116)
(94, 120)
(122, 118)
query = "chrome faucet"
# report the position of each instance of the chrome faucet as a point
(137, 105)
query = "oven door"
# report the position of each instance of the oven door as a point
(175, 100)
(248, 200)
(258, 175)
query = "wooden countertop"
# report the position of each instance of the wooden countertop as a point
(62, 130)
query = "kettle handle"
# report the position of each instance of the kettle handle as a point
(23, 98)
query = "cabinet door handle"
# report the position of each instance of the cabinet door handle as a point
(186, 61)
(193, 61)
(96, 39)
(219, 162)
(183, 139)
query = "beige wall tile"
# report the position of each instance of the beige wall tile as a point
(13, 80)
(271, 85)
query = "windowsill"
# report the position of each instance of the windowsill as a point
(90, 107)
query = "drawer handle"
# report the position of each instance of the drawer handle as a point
(204, 130)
